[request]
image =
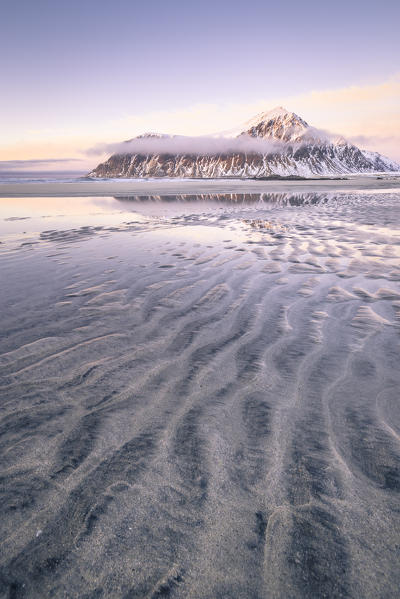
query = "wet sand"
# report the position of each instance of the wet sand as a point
(121, 187)
(201, 399)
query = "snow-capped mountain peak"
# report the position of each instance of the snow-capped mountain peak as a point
(300, 150)
(340, 141)
(153, 134)
(278, 124)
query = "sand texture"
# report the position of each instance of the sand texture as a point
(203, 404)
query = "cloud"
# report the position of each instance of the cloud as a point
(39, 163)
(368, 112)
(374, 139)
(204, 145)
(340, 109)
(189, 145)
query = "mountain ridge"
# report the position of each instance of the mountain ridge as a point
(273, 143)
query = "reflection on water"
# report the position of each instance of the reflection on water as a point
(236, 198)
(367, 213)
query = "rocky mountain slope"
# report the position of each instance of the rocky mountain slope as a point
(287, 146)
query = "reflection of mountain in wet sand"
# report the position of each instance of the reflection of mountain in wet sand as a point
(284, 199)
(171, 187)
(204, 415)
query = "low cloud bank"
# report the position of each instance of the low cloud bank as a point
(177, 144)
(364, 140)
(188, 145)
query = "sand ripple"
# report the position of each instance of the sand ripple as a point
(218, 419)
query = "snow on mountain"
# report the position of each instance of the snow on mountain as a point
(381, 163)
(277, 124)
(152, 134)
(287, 146)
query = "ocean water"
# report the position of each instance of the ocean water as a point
(14, 176)
(200, 396)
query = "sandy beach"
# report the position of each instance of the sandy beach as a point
(124, 187)
(200, 398)
(200, 300)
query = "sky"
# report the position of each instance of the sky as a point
(78, 74)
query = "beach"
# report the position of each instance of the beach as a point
(123, 187)
(200, 389)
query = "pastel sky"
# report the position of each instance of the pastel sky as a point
(78, 73)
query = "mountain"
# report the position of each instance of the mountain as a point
(277, 142)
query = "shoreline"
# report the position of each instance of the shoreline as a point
(194, 186)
